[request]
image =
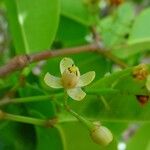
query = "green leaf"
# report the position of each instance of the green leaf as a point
(122, 106)
(45, 108)
(140, 140)
(49, 139)
(20, 132)
(139, 39)
(139, 31)
(76, 10)
(78, 137)
(116, 26)
(10, 131)
(71, 33)
(132, 48)
(46, 138)
(33, 25)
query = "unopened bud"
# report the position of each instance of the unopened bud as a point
(101, 135)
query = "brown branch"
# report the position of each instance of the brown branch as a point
(21, 61)
(61, 52)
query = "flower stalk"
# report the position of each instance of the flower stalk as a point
(83, 120)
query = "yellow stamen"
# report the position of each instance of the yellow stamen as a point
(73, 69)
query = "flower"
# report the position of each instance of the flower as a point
(100, 134)
(70, 80)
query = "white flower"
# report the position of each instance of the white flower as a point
(70, 79)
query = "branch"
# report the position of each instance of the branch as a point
(29, 120)
(21, 61)
(7, 100)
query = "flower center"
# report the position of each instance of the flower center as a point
(70, 77)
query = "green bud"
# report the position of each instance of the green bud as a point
(101, 135)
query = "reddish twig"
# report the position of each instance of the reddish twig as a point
(21, 61)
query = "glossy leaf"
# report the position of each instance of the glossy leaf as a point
(139, 39)
(82, 141)
(76, 10)
(33, 26)
(140, 140)
(121, 106)
(71, 33)
(132, 48)
(116, 26)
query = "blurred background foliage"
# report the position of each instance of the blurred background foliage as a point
(29, 27)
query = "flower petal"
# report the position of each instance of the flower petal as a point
(65, 63)
(76, 93)
(86, 79)
(53, 81)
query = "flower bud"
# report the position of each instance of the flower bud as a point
(101, 135)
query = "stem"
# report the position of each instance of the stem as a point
(24, 99)
(22, 61)
(84, 121)
(23, 119)
(28, 120)
(112, 57)
(105, 102)
(30, 99)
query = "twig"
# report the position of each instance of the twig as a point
(83, 120)
(21, 61)
(110, 56)
(8, 100)
(29, 120)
